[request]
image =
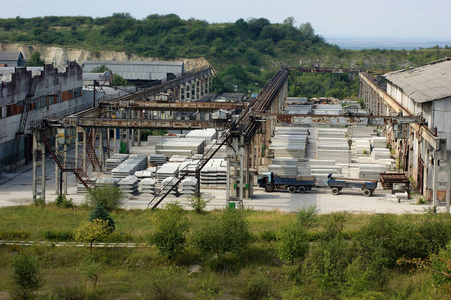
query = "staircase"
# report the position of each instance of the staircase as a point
(22, 125)
(90, 149)
(70, 166)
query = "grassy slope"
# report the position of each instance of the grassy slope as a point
(128, 272)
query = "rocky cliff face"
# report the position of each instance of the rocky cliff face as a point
(60, 56)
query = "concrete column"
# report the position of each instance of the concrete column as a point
(65, 173)
(57, 171)
(434, 179)
(114, 140)
(84, 151)
(43, 171)
(76, 146)
(139, 137)
(228, 180)
(101, 153)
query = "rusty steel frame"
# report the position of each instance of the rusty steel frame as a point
(337, 119)
(172, 106)
(149, 123)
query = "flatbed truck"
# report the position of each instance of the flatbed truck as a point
(272, 182)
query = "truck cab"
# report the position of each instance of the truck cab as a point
(265, 180)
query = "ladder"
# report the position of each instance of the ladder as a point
(70, 166)
(90, 149)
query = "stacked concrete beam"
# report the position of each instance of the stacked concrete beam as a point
(214, 174)
(134, 163)
(168, 183)
(147, 186)
(208, 134)
(115, 160)
(332, 143)
(157, 159)
(129, 186)
(188, 186)
(168, 170)
(321, 168)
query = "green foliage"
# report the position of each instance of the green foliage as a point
(14, 234)
(100, 212)
(258, 287)
(35, 60)
(170, 233)
(198, 203)
(92, 231)
(39, 201)
(109, 196)
(58, 235)
(25, 276)
(165, 284)
(208, 290)
(228, 232)
(293, 242)
(118, 80)
(308, 217)
(91, 268)
(100, 69)
(62, 201)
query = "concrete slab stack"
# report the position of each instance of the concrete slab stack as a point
(115, 160)
(328, 109)
(188, 186)
(168, 183)
(129, 186)
(379, 142)
(298, 109)
(147, 186)
(157, 159)
(182, 146)
(168, 170)
(321, 168)
(134, 163)
(332, 143)
(284, 170)
(143, 174)
(371, 171)
(214, 174)
(208, 134)
(189, 167)
(361, 146)
(289, 142)
(213, 146)
(380, 153)
(178, 158)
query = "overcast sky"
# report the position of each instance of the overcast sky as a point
(423, 19)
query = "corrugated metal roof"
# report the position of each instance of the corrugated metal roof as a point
(9, 55)
(426, 83)
(151, 63)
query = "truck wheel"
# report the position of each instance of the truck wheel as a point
(335, 191)
(302, 189)
(292, 189)
(366, 192)
(268, 188)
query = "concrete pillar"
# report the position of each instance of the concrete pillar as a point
(38, 162)
(114, 140)
(65, 173)
(84, 151)
(434, 179)
(101, 153)
(57, 173)
(139, 137)
(76, 146)
(187, 91)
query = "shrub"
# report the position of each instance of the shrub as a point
(165, 284)
(292, 242)
(268, 235)
(258, 287)
(171, 228)
(90, 232)
(100, 213)
(109, 196)
(58, 235)
(13, 234)
(308, 216)
(198, 203)
(63, 202)
(25, 276)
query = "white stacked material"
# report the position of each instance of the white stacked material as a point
(214, 173)
(168, 183)
(321, 168)
(328, 109)
(332, 132)
(102, 182)
(380, 153)
(359, 132)
(143, 174)
(281, 130)
(183, 146)
(211, 148)
(379, 142)
(168, 170)
(157, 159)
(81, 189)
(285, 161)
(147, 186)
(371, 171)
(129, 186)
(134, 163)
(284, 170)
(171, 152)
(188, 186)
(189, 167)
(208, 134)
(114, 161)
(178, 158)
(361, 146)
(298, 109)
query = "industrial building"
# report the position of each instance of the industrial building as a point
(425, 150)
(12, 59)
(29, 94)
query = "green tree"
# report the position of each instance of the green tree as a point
(170, 232)
(292, 242)
(100, 212)
(198, 203)
(109, 196)
(35, 60)
(118, 80)
(92, 268)
(25, 276)
(219, 235)
(100, 69)
(92, 231)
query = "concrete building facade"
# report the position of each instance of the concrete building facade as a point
(426, 154)
(55, 93)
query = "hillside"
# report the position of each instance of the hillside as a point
(256, 46)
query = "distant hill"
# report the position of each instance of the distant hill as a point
(244, 52)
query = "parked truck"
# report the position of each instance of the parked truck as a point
(271, 182)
